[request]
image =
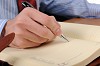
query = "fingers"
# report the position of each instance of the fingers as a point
(29, 33)
(57, 29)
(26, 34)
(39, 30)
(23, 43)
(34, 27)
(48, 21)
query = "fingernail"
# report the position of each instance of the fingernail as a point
(58, 32)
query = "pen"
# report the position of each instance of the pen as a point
(27, 4)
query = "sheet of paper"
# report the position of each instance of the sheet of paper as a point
(58, 52)
(81, 31)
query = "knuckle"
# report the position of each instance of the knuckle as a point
(56, 28)
(47, 20)
(20, 24)
(26, 9)
(54, 20)
(52, 17)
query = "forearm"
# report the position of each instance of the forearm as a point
(71, 8)
(65, 7)
(93, 10)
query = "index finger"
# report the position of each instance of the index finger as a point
(44, 19)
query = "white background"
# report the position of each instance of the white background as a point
(94, 1)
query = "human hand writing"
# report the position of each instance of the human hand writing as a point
(29, 33)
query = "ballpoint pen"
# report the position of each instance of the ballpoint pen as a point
(27, 4)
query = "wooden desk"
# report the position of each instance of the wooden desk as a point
(84, 21)
(96, 62)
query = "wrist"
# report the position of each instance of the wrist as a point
(2, 29)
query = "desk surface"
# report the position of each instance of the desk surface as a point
(84, 21)
(96, 62)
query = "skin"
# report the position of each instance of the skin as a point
(28, 31)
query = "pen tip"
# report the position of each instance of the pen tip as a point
(64, 38)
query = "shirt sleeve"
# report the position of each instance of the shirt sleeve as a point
(74, 8)
(93, 10)
(2, 24)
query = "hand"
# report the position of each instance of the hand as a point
(29, 33)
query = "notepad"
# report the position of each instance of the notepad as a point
(84, 47)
